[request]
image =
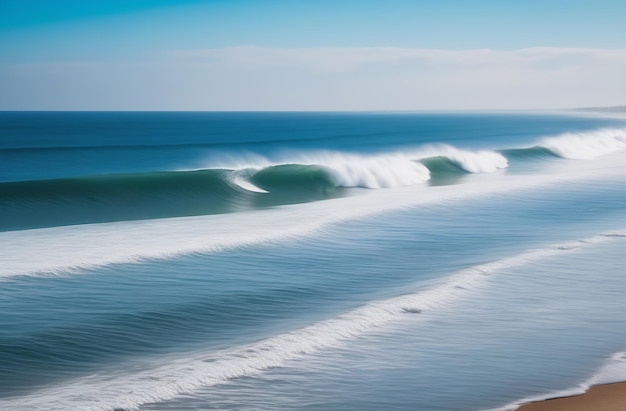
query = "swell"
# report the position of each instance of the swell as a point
(233, 188)
(151, 145)
(48, 203)
(260, 182)
(173, 377)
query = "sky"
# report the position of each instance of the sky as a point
(311, 55)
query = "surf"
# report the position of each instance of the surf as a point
(253, 181)
(172, 376)
(300, 178)
(586, 145)
(76, 248)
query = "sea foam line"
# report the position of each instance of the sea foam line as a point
(174, 377)
(613, 370)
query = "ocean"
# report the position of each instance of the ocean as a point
(309, 261)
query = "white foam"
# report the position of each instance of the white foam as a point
(247, 185)
(584, 146)
(347, 169)
(173, 377)
(398, 169)
(379, 171)
(384, 170)
(613, 371)
(481, 161)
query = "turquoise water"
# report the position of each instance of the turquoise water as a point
(443, 261)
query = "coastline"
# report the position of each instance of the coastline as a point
(608, 112)
(604, 397)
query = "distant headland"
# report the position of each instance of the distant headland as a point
(611, 109)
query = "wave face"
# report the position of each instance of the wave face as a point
(383, 171)
(474, 162)
(317, 176)
(47, 203)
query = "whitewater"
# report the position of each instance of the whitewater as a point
(444, 261)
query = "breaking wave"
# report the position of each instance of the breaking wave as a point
(252, 181)
(123, 197)
(587, 145)
(474, 162)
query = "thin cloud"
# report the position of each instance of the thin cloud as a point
(353, 58)
(365, 78)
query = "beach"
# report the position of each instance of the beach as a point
(606, 397)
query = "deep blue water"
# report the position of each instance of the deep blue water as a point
(345, 261)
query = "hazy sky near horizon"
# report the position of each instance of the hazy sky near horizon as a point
(311, 55)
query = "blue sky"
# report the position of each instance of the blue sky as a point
(163, 54)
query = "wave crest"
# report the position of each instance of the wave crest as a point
(586, 146)
(385, 170)
(347, 170)
(477, 161)
(474, 162)
(374, 172)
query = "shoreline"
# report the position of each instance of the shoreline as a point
(603, 397)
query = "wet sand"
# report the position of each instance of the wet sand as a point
(608, 397)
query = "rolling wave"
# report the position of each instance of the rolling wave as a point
(49, 203)
(109, 198)
(71, 249)
(474, 162)
(248, 183)
(588, 145)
